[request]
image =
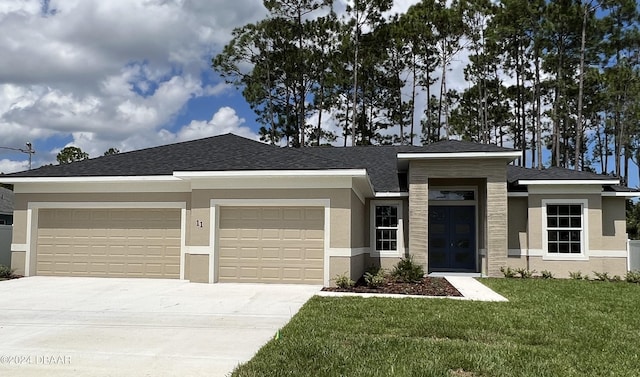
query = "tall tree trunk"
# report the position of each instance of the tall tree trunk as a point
(413, 100)
(301, 86)
(579, 121)
(319, 129)
(538, 108)
(443, 85)
(355, 77)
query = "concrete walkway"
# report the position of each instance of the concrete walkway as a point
(474, 290)
(470, 288)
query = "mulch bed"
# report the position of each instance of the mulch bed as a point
(11, 277)
(428, 286)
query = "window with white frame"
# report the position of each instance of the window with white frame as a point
(564, 228)
(386, 230)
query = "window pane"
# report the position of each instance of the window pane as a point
(553, 235)
(386, 216)
(552, 222)
(563, 210)
(575, 235)
(553, 247)
(575, 248)
(563, 235)
(563, 222)
(451, 195)
(386, 239)
(576, 222)
(575, 210)
(563, 248)
(552, 210)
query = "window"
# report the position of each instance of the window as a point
(452, 195)
(386, 232)
(565, 229)
(3, 222)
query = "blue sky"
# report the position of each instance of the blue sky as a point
(128, 74)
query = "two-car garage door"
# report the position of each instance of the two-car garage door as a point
(109, 242)
(255, 244)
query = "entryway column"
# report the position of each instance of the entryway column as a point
(496, 224)
(418, 215)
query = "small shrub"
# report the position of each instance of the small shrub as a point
(633, 277)
(343, 281)
(616, 278)
(5, 272)
(546, 274)
(374, 280)
(577, 275)
(508, 272)
(408, 271)
(602, 276)
(524, 273)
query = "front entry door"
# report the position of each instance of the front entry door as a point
(452, 238)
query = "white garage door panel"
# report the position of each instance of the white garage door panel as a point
(109, 242)
(271, 244)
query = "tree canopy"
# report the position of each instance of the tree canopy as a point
(559, 79)
(71, 154)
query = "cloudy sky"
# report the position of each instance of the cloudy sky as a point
(120, 73)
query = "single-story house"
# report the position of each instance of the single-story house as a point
(229, 209)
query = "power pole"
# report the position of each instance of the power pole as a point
(30, 151)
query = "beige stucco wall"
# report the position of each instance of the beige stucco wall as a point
(196, 268)
(495, 208)
(561, 269)
(359, 233)
(353, 267)
(614, 224)
(518, 214)
(18, 259)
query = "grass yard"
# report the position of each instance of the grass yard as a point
(549, 328)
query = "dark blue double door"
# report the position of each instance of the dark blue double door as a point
(452, 238)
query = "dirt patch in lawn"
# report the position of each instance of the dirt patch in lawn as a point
(428, 286)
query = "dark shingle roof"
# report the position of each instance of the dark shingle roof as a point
(230, 152)
(6, 200)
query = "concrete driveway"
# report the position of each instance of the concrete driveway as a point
(57, 326)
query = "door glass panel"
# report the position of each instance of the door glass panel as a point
(463, 229)
(437, 214)
(439, 243)
(438, 258)
(463, 243)
(437, 229)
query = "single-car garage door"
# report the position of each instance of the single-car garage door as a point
(109, 242)
(271, 244)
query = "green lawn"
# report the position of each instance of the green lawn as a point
(549, 328)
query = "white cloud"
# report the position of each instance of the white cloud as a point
(107, 73)
(224, 121)
(9, 166)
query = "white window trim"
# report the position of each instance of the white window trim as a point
(400, 251)
(584, 234)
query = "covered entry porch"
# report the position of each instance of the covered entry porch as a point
(458, 211)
